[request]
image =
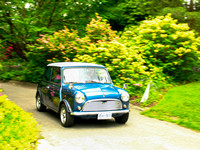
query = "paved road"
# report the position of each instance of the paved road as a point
(140, 132)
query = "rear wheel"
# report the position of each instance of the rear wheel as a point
(122, 119)
(39, 105)
(65, 118)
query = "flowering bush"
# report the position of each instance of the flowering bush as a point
(99, 30)
(158, 50)
(18, 129)
(166, 44)
(9, 65)
(7, 53)
(63, 46)
(123, 64)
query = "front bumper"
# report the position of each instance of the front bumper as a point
(97, 112)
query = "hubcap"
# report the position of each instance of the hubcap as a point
(63, 115)
(38, 102)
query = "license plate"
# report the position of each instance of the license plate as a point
(104, 115)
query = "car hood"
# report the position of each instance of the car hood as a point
(98, 91)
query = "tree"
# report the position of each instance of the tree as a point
(187, 12)
(122, 13)
(21, 22)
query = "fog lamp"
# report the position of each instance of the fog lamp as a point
(79, 107)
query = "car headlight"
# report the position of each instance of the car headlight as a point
(124, 96)
(80, 98)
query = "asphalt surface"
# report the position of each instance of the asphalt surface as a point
(139, 133)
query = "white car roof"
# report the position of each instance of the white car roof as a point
(73, 64)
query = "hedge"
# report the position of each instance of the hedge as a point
(18, 129)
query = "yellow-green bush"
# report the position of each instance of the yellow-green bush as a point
(123, 64)
(18, 129)
(166, 44)
(99, 30)
(157, 50)
(100, 45)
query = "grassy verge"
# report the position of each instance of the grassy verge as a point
(181, 105)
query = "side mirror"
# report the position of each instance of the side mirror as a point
(125, 86)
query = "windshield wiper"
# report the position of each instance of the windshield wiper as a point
(74, 82)
(91, 81)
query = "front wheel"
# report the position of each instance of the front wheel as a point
(39, 105)
(122, 119)
(65, 118)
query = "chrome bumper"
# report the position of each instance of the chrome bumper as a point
(97, 112)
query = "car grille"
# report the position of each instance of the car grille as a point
(102, 105)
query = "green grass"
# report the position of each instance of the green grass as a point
(181, 105)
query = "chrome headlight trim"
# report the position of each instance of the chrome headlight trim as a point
(79, 98)
(124, 95)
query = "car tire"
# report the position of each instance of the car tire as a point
(39, 105)
(122, 119)
(65, 118)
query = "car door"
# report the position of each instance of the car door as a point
(45, 85)
(54, 89)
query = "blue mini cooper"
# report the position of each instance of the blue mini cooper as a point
(83, 90)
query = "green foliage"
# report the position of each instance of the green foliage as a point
(18, 129)
(193, 19)
(116, 57)
(176, 12)
(11, 69)
(99, 30)
(124, 64)
(180, 105)
(9, 65)
(114, 11)
(158, 50)
(136, 10)
(23, 21)
(168, 45)
(1, 67)
(187, 12)
(61, 46)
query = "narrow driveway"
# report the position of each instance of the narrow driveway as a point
(140, 132)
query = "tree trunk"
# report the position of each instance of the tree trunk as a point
(191, 6)
(19, 51)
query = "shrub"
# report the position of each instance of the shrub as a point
(99, 30)
(9, 65)
(124, 65)
(166, 44)
(18, 129)
(100, 45)
(158, 50)
(63, 46)
(10, 69)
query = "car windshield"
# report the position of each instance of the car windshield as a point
(86, 75)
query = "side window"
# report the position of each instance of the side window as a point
(47, 74)
(56, 76)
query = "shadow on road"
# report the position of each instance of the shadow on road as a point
(50, 117)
